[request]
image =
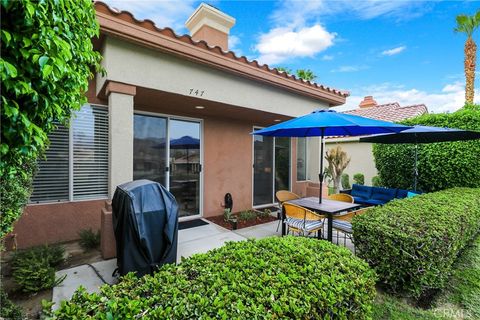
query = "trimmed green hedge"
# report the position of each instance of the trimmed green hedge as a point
(412, 243)
(440, 165)
(272, 278)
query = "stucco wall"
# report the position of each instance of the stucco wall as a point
(59, 222)
(361, 158)
(128, 63)
(227, 164)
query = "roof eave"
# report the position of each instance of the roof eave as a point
(118, 25)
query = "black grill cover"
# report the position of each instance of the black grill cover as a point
(145, 222)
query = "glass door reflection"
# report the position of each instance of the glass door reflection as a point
(185, 165)
(262, 170)
(149, 148)
(282, 163)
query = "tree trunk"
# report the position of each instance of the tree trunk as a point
(336, 183)
(470, 57)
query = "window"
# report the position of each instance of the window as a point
(75, 166)
(51, 181)
(301, 159)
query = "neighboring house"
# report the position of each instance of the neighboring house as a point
(361, 153)
(160, 87)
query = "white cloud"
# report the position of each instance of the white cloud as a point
(394, 51)
(450, 98)
(280, 44)
(327, 57)
(165, 13)
(296, 13)
(349, 69)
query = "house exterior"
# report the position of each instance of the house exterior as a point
(361, 154)
(178, 110)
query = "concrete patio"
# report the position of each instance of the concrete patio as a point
(190, 241)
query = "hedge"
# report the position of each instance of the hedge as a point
(412, 243)
(440, 165)
(272, 278)
(46, 61)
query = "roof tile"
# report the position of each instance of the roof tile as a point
(149, 24)
(390, 112)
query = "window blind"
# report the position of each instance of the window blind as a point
(51, 183)
(90, 153)
(75, 168)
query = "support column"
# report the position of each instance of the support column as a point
(120, 117)
(120, 111)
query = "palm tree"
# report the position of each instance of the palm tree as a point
(468, 24)
(306, 74)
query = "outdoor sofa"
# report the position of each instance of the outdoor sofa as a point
(374, 196)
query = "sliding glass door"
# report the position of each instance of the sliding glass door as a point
(185, 166)
(168, 151)
(271, 168)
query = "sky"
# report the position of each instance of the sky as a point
(397, 51)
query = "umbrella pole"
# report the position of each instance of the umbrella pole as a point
(320, 174)
(415, 172)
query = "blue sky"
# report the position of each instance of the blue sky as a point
(404, 51)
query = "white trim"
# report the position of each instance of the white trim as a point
(167, 153)
(169, 117)
(70, 161)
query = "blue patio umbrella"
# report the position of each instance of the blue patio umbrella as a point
(422, 134)
(323, 123)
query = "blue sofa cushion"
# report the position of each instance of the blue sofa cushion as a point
(383, 194)
(373, 202)
(361, 191)
(401, 193)
(412, 194)
(359, 200)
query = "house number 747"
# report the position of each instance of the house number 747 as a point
(196, 92)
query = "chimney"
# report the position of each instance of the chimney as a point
(211, 25)
(368, 102)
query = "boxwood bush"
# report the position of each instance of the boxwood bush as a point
(272, 278)
(412, 243)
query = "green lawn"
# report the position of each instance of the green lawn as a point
(460, 299)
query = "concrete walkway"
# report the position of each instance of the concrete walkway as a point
(190, 241)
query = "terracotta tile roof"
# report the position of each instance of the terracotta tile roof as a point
(150, 25)
(390, 112)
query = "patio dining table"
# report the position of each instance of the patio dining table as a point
(327, 207)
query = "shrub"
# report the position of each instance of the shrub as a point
(272, 278)
(264, 213)
(89, 239)
(33, 269)
(412, 243)
(14, 194)
(247, 215)
(440, 165)
(376, 181)
(346, 181)
(47, 59)
(8, 309)
(359, 178)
